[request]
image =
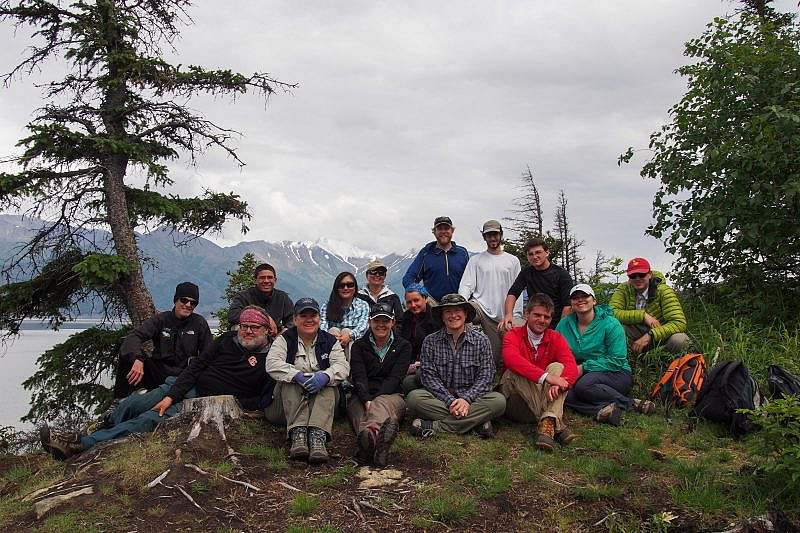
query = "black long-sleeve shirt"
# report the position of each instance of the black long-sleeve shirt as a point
(372, 377)
(174, 340)
(278, 305)
(553, 281)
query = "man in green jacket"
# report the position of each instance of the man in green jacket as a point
(649, 310)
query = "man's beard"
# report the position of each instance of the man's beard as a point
(253, 344)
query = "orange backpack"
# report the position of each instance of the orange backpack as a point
(682, 381)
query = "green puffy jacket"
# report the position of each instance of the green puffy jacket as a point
(602, 346)
(662, 303)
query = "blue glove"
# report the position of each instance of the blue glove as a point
(317, 382)
(302, 379)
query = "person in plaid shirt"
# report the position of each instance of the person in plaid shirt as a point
(457, 372)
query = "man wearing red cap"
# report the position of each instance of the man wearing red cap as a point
(649, 310)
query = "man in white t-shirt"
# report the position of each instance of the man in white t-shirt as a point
(485, 283)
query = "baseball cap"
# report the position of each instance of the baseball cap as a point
(376, 264)
(584, 288)
(492, 226)
(638, 265)
(304, 304)
(442, 220)
(382, 309)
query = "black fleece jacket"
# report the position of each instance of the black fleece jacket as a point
(372, 377)
(174, 340)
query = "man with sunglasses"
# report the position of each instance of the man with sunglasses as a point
(177, 336)
(376, 290)
(649, 310)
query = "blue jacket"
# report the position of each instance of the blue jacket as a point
(440, 272)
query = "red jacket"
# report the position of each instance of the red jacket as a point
(519, 357)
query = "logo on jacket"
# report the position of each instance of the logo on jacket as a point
(252, 360)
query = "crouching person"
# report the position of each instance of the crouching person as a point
(457, 373)
(307, 364)
(233, 364)
(379, 361)
(540, 370)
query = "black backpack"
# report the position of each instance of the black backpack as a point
(728, 387)
(782, 383)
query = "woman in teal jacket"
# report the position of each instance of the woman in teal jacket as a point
(597, 341)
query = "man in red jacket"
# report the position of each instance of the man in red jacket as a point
(540, 368)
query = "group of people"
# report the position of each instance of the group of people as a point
(463, 352)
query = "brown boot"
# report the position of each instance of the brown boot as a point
(545, 433)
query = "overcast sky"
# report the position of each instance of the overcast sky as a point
(410, 110)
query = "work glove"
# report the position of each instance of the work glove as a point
(302, 379)
(317, 382)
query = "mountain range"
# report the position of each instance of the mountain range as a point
(304, 268)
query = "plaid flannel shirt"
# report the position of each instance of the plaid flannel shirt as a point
(355, 318)
(465, 372)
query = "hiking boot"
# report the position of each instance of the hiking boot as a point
(565, 436)
(61, 444)
(366, 445)
(317, 453)
(422, 428)
(545, 432)
(299, 446)
(610, 414)
(386, 435)
(105, 420)
(485, 430)
(645, 407)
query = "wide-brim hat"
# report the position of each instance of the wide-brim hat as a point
(453, 300)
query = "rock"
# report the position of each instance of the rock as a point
(43, 506)
(378, 478)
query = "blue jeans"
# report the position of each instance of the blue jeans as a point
(134, 414)
(595, 390)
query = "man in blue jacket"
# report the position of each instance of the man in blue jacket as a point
(440, 264)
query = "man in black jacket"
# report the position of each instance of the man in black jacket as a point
(378, 363)
(177, 336)
(233, 364)
(274, 301)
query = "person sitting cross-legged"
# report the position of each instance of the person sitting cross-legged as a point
(597, 341)
(307, 364)
(457, 373)
(540, 370)
(379, 361)
(233, 364)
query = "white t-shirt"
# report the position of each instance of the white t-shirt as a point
(487, 279)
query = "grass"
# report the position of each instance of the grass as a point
(273, 458)
(303, 505)
(137, 462)
(447, 505)
(487, 479)
(337, 478)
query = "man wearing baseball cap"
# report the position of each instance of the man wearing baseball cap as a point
(177, 335)
(379, 361)
(485, 283)
(440, 264)
(457, 373)
(376, 290)
(307, 364)
(649, 310)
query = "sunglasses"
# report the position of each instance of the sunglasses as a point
(379, 273)
(188, 301)
(251, 327)
(347, 285)
(636, 276)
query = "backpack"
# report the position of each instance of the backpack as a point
(729, 387)
(682, 381)
(782, 383)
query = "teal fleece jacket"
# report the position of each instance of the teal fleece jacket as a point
(602, 347)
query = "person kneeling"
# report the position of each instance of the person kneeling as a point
(234, 364)
(307, 365)
(540, 370)
(379, 361)
(457, 372)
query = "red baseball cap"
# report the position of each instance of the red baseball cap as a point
(638, 265)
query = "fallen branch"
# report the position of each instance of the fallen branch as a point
(242, 483)
(289, 486)
(361, 516)
(189, 497)
(365, 503)
(158, 480)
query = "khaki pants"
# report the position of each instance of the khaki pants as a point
(425, 405)
(411, 382)
(527, 400)
(676, 344)
(293, 406)
(380, 409)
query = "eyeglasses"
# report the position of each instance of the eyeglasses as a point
(251, 327)
(347, 285)
(379, 273)
(188, 301)
(636, 276)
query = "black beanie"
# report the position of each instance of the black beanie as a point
(187, 289)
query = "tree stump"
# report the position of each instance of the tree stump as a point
(213, 412)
